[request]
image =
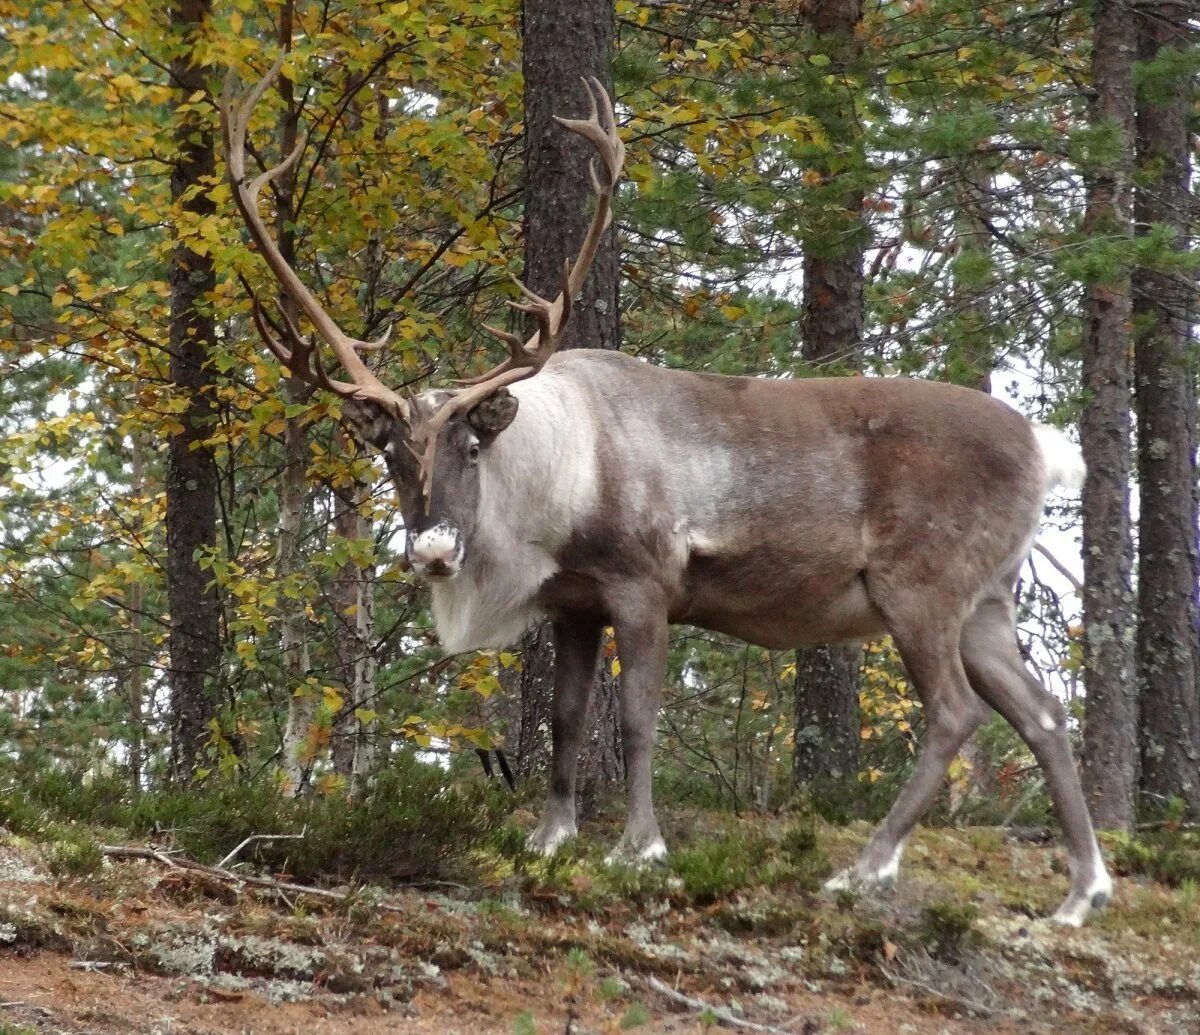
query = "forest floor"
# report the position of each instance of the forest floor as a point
(138, 947)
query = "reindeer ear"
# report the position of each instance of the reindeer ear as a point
(494, 414)
(368, 422)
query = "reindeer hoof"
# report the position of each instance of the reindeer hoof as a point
(852, 880)
(1080, 905)
(625, 854)
(548, 838)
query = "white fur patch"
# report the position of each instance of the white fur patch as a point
(857, 879)
(655, 851)
(1077, 908)
(547, 840)
(1048, 723)
(1063, 459)
(537, 481)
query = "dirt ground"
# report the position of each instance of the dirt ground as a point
(135, 950)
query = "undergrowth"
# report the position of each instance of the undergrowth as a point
(1170, 856)
(413, 823)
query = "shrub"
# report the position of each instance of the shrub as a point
(946, 929)
(1171, 857)
(718, 866)
(413, 822)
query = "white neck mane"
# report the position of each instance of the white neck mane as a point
(536, 481)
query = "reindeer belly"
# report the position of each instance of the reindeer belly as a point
(778, 600)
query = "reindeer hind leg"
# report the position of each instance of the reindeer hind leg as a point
(928, 644)
(998, 673)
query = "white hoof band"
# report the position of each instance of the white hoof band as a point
(550, 841)
(625, 855)
(1078, 908)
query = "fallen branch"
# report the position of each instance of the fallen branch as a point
(953, 1000)
(723, 1015)
(259, 837)
(177, 862)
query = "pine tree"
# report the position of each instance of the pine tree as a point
(1164, 285)
(1110, 733)
(191, 483)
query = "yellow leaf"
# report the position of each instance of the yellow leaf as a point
(616, 667)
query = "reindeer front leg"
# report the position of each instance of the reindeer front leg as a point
(576, 647)
(640, 625)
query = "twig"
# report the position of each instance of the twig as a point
(1167, 824)
(259, 837)
(700, 1006)
(954, 1000)
(180, 863)
(1059, 567)
(1026, 797)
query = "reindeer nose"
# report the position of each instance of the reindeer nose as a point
(436, 551)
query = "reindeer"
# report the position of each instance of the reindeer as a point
(608, 492)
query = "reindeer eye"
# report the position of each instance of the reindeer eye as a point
(473, 452)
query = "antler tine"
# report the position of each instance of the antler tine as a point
(306, 362)
(481, 378)
(543, 311)
(608, 144)
(527, 358)
(287, 357)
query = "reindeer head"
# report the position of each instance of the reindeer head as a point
(435, 442)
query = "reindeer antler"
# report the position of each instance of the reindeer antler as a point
(298, 355)
(302, 356)
(526, 358)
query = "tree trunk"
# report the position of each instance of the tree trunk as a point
(827, 718)
(137, 647)
(970, 361)
(297, 754)
(1110, 732)
(1164, 368)
(353, 598)
(828, 724)
(561, 43)
(297, 757)
(191, 481)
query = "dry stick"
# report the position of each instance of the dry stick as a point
(700, 1006)
(953, 1000)
(180, 863)
(259, 837)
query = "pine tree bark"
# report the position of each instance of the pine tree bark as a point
(1110, 733)
(191, 480)
(970, 361)
(561, 42)
(1164, 368)
(827, 720)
